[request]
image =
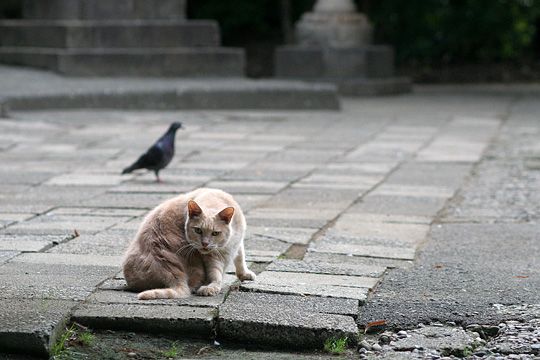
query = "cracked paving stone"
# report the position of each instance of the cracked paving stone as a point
(285, 320)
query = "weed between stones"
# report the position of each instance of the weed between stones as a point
(335, 345)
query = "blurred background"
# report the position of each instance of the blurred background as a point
(435, 40)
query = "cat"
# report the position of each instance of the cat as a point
(185, 244)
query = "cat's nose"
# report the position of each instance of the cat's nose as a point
(204, 244)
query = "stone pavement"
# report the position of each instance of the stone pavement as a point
(333, 200)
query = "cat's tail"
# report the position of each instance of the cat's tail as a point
(168, 293)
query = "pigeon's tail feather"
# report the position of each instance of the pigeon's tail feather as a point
(130, 168)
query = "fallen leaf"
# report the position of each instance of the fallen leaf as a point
(438, 266)
(521, 276)
(76, 233)
(373, 324)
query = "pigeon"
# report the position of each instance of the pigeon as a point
(159, 155)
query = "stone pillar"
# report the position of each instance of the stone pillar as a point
(334, 44)
(334, 23)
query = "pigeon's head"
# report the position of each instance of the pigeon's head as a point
(175, 126)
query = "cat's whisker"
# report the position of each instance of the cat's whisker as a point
(184, 247)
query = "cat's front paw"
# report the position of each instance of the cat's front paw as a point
(247, 275)
(209, 290)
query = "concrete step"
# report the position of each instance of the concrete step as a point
(32, 89)
(104, 9)
(375, 61)
(189, 62)
(108, 34)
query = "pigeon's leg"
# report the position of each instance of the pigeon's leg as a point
(157, 176)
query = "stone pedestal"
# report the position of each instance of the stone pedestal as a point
(334, 45)
(116, 38)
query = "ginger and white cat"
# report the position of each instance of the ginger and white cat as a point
(185, 244)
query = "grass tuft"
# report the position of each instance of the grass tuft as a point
(60, 345)
(86, 338)
(173, 352)
(335, 345)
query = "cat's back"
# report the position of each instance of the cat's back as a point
(213, 198)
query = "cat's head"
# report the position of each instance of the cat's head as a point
(207, 232)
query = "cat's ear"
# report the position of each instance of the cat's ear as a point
(193, 209)
(226, 214)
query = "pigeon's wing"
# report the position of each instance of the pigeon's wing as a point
(149, 160)
(152, 158)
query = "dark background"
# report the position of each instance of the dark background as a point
(435, 40)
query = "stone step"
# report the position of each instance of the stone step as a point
(108, 34)
(104, 9)
(182, 62)
(374, 61)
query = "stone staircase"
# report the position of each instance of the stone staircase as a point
(117, 38)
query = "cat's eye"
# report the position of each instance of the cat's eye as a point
(215, 233)
(197, 230)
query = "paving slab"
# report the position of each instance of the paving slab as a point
(340, 292)
(399, 205)
(289, 235)
(7, 255)
(446, 175)
(70, 259)
(96, 211)
(324, 285)
(336, 199)
(28, 242)
(386, 252)
(108, 243)
(356, 260)
(31, 326)
(248, 187)
(262, 246)
(317, 267)
(11, 218)
(58, 224)
(127, 200)
(414, 190)
(24, 280)
(87, 179)
(186, 320)
(407, 233)
(126, 297)
(362, 217)
(263, 318)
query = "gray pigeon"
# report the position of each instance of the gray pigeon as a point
(159, 155)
